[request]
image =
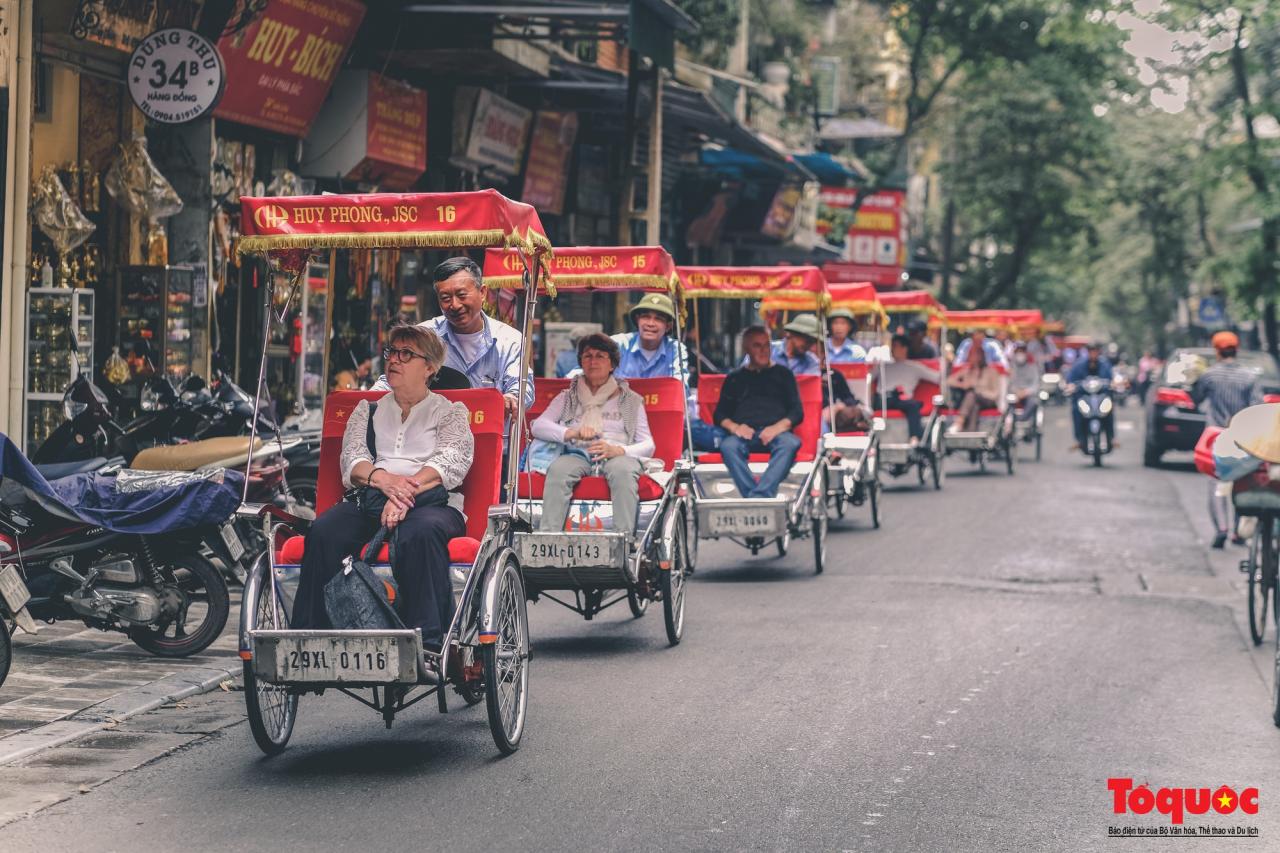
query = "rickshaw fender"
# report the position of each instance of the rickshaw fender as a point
(259, 571)
(488, 628)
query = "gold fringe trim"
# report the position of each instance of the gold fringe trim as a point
(621, 281)
(478, 239)
(810, 300)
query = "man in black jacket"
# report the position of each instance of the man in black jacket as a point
(758, 409)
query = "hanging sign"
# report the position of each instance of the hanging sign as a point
(175, 76)
(283, 64)
(546, 174)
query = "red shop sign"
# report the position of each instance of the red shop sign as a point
(396, 140)
(281, 66)
(546, 173)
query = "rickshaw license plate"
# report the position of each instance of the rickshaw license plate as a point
(232, 540)
(338, 659)
(551, 549)
(741, 521)
(12, 589)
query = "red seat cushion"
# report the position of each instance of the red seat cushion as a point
(717, 459)
(461, 550)
(531, 485)
(990, 413)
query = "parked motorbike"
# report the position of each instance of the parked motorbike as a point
(1094, 403)
(160, 590)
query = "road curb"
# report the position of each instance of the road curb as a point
(115, 709)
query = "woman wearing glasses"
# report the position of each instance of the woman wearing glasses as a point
(405, 456)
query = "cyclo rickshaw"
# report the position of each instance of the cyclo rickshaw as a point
(597, 564)
(853, 458)
(800, 508)
(1028, 324)
(485, 651)
(897, 455)
(994, 439)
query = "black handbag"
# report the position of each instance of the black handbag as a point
(356, 598)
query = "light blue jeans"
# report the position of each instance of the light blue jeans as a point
(782, 454)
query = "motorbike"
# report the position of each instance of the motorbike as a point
(1051, 387)
(160, 589)
(1096, 406)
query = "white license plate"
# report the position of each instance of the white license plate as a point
(12, 589)
(338, 659)
(232, 540)
(554, 550)
(741, 521)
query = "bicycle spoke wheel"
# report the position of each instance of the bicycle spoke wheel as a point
(272, 709)
(506, 661)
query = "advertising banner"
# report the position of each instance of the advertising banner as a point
(498, 133)
(396, 133)
(547, 173)
(280, 67)
(873, 241)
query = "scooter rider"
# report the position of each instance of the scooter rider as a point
(1223, 390)
(1092, 365)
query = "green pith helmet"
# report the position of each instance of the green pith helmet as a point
(805, 324)
(658, 303)
(841, 312)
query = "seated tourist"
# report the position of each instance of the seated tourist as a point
(601, 427)
(759, 407)
(839, 401)
(981, 384)
(900, 378)
(410, 451)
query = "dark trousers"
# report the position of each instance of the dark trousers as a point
(425, 595)
(910, 409)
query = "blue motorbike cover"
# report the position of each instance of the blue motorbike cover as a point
(93, 498)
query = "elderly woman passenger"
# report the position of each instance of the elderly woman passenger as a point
(601, 422)
(409, 452)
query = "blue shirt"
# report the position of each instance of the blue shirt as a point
(672, 359)
(846, 353)
(498, 365)
(566, 362)
(806, 364)
(1080, 370)
(992, 348)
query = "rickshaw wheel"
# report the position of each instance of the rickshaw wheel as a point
(272, 709)
(783, 542)
(1038, 437)
(673, 585)
(982, 461)
(506, 661)
(1275, 681)
(936, 469)
(920, 468)
(1009, 450)
(1262, 552)
(875, 504)
(840, 504)
(820, 539)
(638, 603)
(6, 650)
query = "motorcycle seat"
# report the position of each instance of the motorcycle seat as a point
(193, 455)
(58, 470)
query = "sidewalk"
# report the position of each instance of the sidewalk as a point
(68, 680)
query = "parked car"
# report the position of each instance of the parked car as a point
(1174, 422)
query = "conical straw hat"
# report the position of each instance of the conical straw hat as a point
(1257, 431)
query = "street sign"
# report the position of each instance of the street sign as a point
(175, 76)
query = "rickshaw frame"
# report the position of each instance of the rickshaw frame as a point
(489, 633)
(999, 441)
(659, 544)
(928, 457)
(788, 288)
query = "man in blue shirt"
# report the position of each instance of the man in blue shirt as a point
(489, 352)
(1092, 364)
(840, 347)
(795, 350)
(995, 352)
(650, 351)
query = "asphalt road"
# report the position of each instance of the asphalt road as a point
(966, 678)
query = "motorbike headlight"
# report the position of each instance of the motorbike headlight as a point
(72, 409)
(1083, 406)
(1105, 407)
(149, 400)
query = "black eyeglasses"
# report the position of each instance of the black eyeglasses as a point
(401, 354)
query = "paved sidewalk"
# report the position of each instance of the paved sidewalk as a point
(67, 669)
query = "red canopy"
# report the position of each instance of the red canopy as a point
(390, 220)
(860, 298)
(968, 321)
(788, 288)
(589, 268)
(910, 301)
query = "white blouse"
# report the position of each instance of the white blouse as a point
(437, 433)
(547, 426)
